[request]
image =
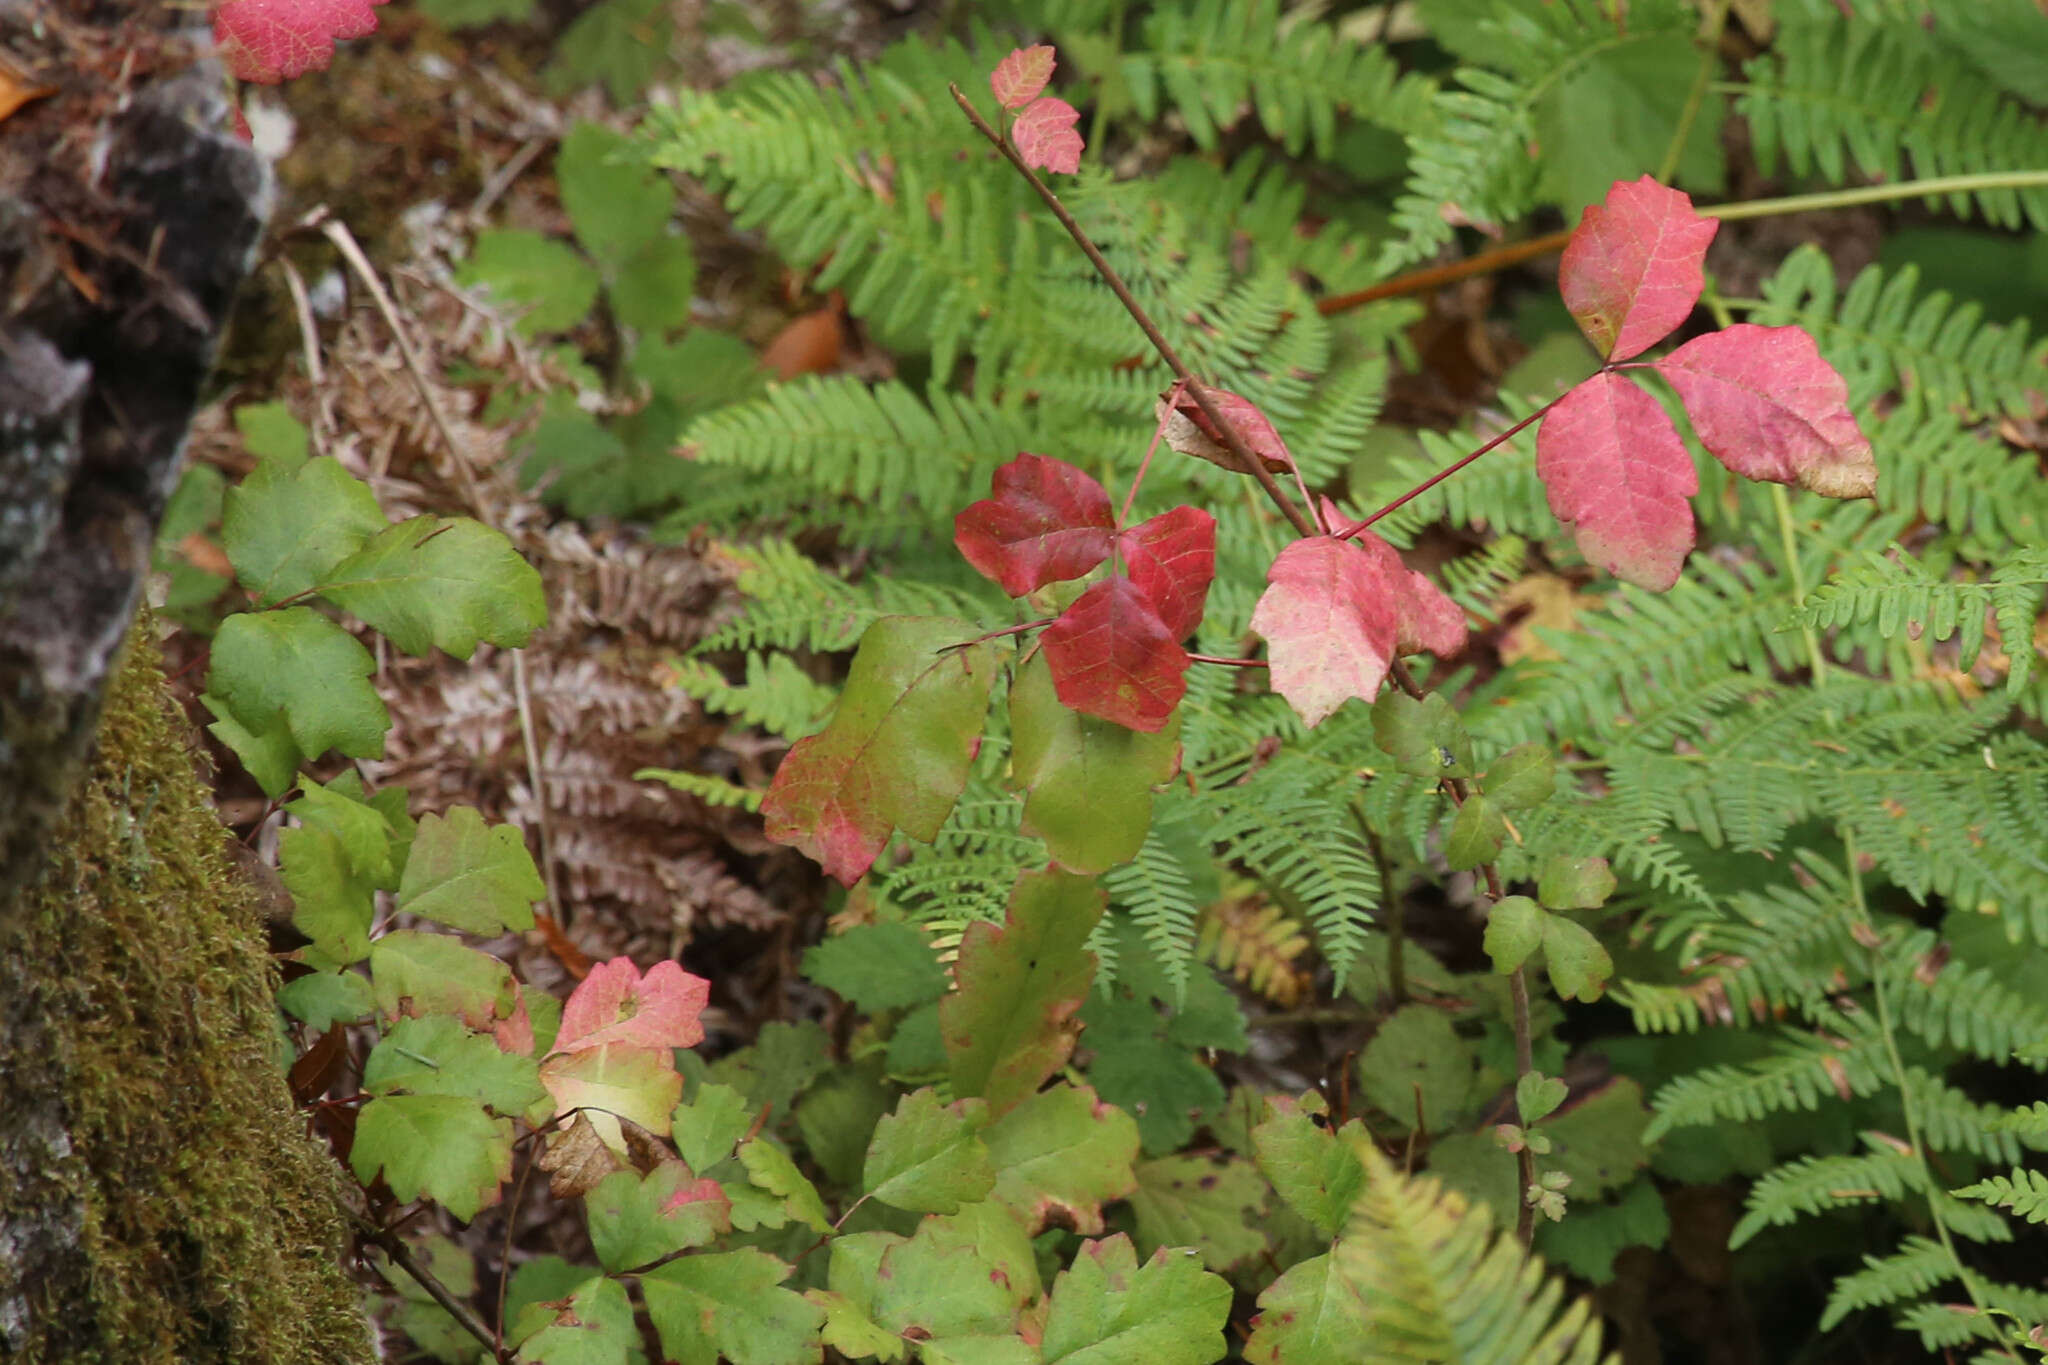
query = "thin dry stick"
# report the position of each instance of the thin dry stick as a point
(309, 338)
(402, 1256)
(540, 790)
(344, 241)
(1232, 441)
(1518, 985)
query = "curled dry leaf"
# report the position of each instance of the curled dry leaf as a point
(1767, 406)
(1618, 476)
(1633, 268)
(1188, 430)
(1045, 137)
(1020, 77)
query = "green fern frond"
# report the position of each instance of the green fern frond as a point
(1896, 593)
(1159, 894)
(1804, 1073)
(1836, 93)
(1439, 1282)
(1214, 59)
(2024, 1192)
(777, 695)
(715, 791)
(1911, 1272)
(1813, 1185)
(1885, 335)
(793, 602)
(967, 872)
(1969, 1009)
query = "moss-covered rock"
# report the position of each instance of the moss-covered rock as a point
(159, 1201)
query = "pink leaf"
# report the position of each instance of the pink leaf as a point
(1619, 477)
(1632, 270)
(703, 1191)
(1111, 656)
(1044, 135)
(268, 41)
(1767, 406)
(1188, 430)
(1048, 521)
(1172, 560)
(515, 1034)
(615, 1004)
(1019, 77)
(1424, 619)
(1328, 624)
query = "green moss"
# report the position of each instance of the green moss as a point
(209, 1231)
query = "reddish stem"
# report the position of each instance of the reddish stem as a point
(1227, 662)
(999, 634)
(1446, 472)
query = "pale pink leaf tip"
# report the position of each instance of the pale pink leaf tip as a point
(1020, 77)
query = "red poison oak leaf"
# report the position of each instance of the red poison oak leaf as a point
(1328, 624)
(1619, 477)
(1424, 619)
(1632, 271)
(615, 1004)
(1048, 521)
(1188, 430)
(1172, 559)
(1044, 135)
(896, 752)
(1767, 406)
(1019, 77)
(267, 41)
(1111, 656)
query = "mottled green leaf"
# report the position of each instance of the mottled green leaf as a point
(543, 280)
(1062, 1152)
(769, 1167)
(594, 1327)
(1575, 883)
(1203, 1204)
(1425, 738)
(1417, 1061)
(636, 1220)
(1579, 966)
(1011, 1024)
(422, 973)
(1312, 1315)
(441, 582)
(1089, 780)
(284, 527)
(928, 1157)
(1106, 1309)
(442, 1146)
(1514, 930)
(471, 877)
(1522, 777)
(878, 967)
(436, 1055)
(709, 1127)
(731, 1304)
(1476, 835)
(298, 662)
(1309, 1167)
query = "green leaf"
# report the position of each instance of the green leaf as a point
(928, 1157)
(1611, 115)
(542, 1280)
(1575, 883)
(1312, 1170)
(420, 973)
(273, 435)
(331, 903)
(878, 967)
(1417, 1061)
(1579, 966)
(709, 1127)
(461, 14)
(1424, 738)
(441, 582)
(961, 1275)
(623, 43)
(284, 527)
(616, 202)
(916, 1051)
(1194, 1202)
(269, 753)
(897, 750)
(838, 1116)
(1522, 777)
(442, 1146)
(471, 877)
(1476, 835)
(298, 662)
(636, 1219)
(620, 1079)
(1140, 1068)
(731, 1304)
(1598, 1142)
(1537, 1096)
(769, 1167)
(432, 1328)
(850, 1331)
(1312, 1315)
(543, 279)
(1089, 780)
(783, 1060)
(1011, 1024)
(1062, 1152)
(595, 1327)
(656, 285)
(324, 999)
(364, 831)
(1514, 930)
(436, 1055)
(1106, 1309)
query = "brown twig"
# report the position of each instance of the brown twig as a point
(1436, 276)
(1250, 462)
(401, 1255)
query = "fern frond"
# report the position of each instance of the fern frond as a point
(1813, 1185)
(2024, 1192)
(1959, 1006)
(1804, 1073)
(1897, 593)
(1258, 943)
(793, 602)
(1440, 1282)
(1911, 1272)
(777, 695)
(1836, 92)
(1157, 891)
(712, 790)
(1214, 59)
(1884, 335)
